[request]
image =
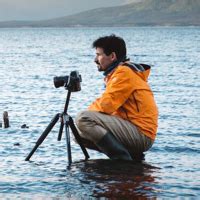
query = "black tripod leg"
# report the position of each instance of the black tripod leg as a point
(66, 123)
(60, 130)
(44, 135)
(78, 137)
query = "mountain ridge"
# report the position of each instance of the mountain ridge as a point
(143, 13)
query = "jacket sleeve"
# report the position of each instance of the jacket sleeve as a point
(118, 90)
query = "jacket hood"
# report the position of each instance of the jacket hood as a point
(142, 70)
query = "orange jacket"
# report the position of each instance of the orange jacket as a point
(129, 96)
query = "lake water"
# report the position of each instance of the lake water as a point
(30, 58)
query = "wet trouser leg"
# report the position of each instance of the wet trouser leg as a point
(94, 126)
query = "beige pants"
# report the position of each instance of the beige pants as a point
(94, 125)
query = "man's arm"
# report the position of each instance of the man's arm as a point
(117, 91)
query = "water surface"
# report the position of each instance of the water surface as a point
(30, 58)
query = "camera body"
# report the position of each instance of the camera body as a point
(71, 82)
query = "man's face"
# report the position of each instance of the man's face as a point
(103, 61)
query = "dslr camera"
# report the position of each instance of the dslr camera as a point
(71, 82)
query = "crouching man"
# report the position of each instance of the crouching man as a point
(122, 123)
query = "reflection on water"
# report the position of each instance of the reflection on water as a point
(115, 179)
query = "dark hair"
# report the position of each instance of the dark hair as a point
(111, 44)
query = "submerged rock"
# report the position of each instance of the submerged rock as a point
(17, 144)
(24, 126)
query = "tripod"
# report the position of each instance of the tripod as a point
(66, 121)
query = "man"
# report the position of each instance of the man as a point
(122, 123)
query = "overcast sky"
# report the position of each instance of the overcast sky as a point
(46, 9)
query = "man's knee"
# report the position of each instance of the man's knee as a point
(81, 116)
(82, 119)
(87, 122)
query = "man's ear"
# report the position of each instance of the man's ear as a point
(113, 56)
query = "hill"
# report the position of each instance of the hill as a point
(144, 13)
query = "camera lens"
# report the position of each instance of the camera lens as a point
(60, 81)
